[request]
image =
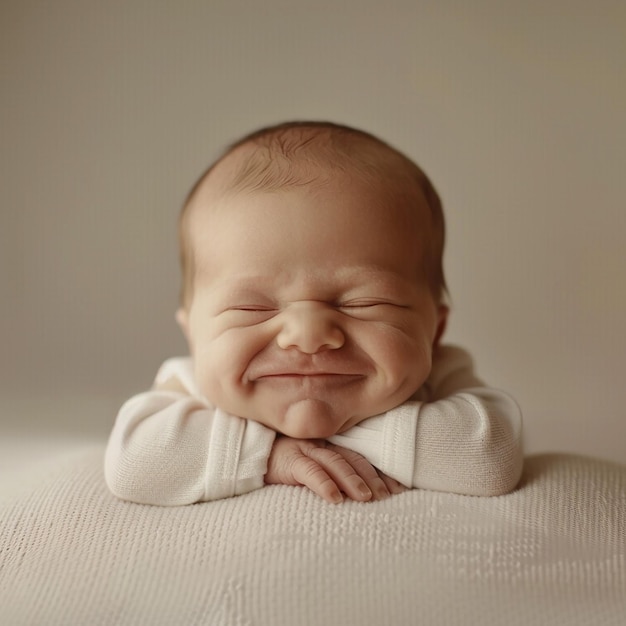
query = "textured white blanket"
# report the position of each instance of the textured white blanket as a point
(552, 552)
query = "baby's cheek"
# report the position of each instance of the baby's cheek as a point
(208, 374)
(406, 365)
(206, 382)
(220, 367)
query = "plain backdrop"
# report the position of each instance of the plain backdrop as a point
(110, 110)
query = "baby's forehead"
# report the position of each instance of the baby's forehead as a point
(304, 161)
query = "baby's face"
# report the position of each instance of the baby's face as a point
(309, 312)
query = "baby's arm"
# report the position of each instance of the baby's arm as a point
(169, 448)
(466, 439)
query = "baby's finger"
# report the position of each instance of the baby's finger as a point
(370, 475)
(311, 474)
(343, 473)
(392, 484)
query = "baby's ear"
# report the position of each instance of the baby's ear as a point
(442, 321)
(182, 318)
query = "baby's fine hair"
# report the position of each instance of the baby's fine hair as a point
(297, 154)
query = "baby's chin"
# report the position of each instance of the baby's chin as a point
(310, 419)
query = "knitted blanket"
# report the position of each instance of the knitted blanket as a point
(552, 552)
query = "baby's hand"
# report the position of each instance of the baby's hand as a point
(327, 470)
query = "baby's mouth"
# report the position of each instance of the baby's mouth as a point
(310, 383)
(313, 373)
(328, 368)
(319, 376)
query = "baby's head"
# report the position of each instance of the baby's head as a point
(312, 278)
(296, 154)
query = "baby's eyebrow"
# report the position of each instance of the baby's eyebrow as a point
(320, 283)
(252, 291)
(256, 284)
(345, 277)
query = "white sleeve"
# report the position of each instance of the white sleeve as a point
(466, 440)
(170, 448)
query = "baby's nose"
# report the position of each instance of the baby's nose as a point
(310, 327)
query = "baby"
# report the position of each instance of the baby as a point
(313, 303)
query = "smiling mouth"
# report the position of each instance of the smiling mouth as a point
(310, 377)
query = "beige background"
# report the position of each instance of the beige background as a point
(110, 110)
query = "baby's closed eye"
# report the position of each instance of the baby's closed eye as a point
(364, 303)
(250, 314)
(252, 308)
(369, 307)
